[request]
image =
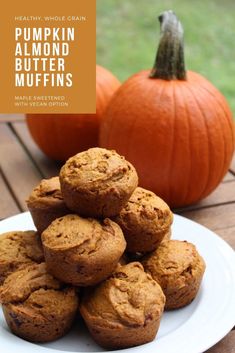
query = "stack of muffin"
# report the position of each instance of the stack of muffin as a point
(93, 224)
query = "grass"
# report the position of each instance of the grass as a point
(128, 33)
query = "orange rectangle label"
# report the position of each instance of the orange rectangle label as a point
(48, 57)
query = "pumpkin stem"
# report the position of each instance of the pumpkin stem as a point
(169, 62)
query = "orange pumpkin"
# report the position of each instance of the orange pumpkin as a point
(60, 136)
(174, 126)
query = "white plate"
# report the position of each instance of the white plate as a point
(193, 329)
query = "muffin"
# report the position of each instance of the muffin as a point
(167, 235)
(97, 182)
(145, 220)
(178, 268)
(46, 203)
(82, 251)
(18, 249)
(137, 256)
(125, 310)
(36, 306)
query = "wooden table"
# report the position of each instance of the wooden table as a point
(23, 165)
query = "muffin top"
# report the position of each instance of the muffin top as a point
(20, 284)
(129, 298)
(20, 247)
(86, 235)
(36, 293)
(97, 169)
(173, 263)
(145, 210)
(46, 193)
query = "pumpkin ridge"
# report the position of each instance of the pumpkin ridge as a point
(215, 105)
(208, 143)
(192, 167)
(226, 148)
(159, 96)
(111, 120)
(222, 103)
(130, 87)
(131, 84)
(189, 172)
(203, 88)
(109, 131)
(226, 113)
(134, 123)
(169, 196)
(101, 98)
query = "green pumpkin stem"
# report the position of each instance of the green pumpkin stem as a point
(169, 63)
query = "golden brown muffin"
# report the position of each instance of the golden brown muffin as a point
(144, 220)
(82, 251)
(97, 182)
(36, 306)
(167, 236)
(125, 310)
(137, 256)
(18, 249)
(178, 268)
(46, 203)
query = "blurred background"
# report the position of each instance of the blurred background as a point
(128, 33)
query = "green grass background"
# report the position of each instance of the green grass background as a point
(128, 34)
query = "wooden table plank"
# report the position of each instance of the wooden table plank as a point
(226, 345)
(214, 218)
(224, 193)
(47, 167)
(21, 173)
(11, 117)
(7, 202)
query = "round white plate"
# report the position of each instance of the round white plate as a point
(193, 329)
